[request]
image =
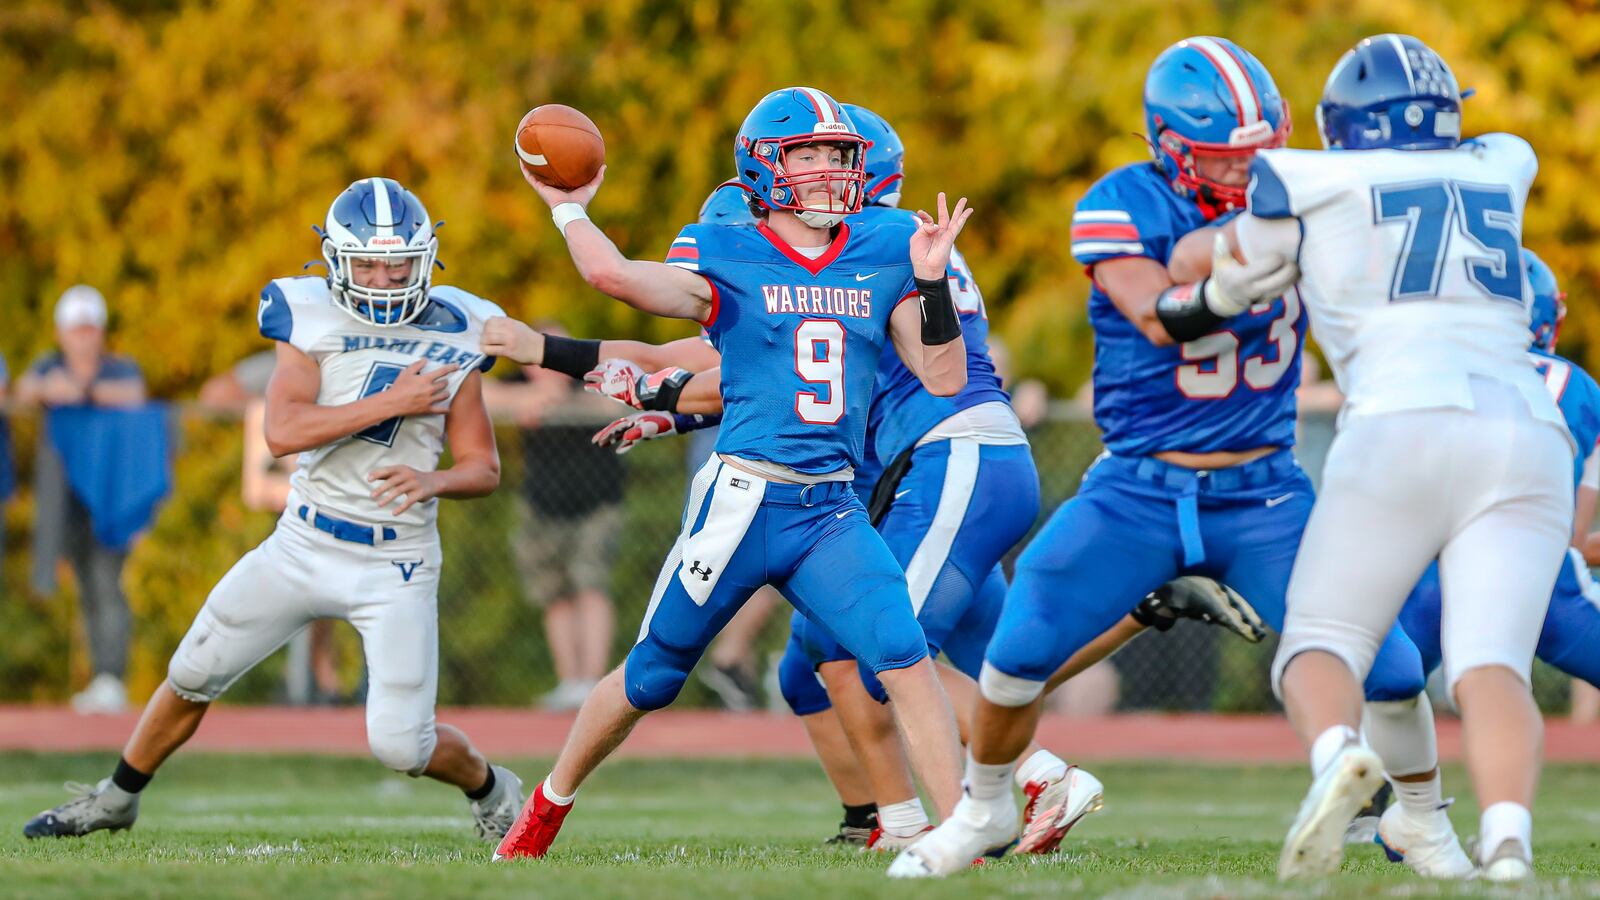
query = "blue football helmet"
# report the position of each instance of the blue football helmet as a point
(382, 228)
(886, 156)
(1549, 302)
(1390, 91)
(1207, 97)
(788, 119)
(728, 204)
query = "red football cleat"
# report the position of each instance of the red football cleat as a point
(535, 829)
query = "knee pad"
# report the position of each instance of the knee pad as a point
(655, 673)
(799, 684)
(1007, 690)
(189, 677)
(1397, 672)
(406, 750)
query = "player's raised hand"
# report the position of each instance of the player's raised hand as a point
(512, 339)
(556, 196)
(404, 484)
(930, 246)
(418, 393)
(628, 431)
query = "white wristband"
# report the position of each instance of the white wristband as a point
(565, 214)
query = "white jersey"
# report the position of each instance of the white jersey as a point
(1410, 266)
(358, 359)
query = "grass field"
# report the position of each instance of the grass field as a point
(294, 827)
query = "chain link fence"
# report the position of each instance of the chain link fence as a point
(494, 649)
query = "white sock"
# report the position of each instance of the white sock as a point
(1327, 746)
(1041, 766)
(1419, 798)
(1401, 731)
(551, 795)
(1502, 822)
(988, 784)
(903, 819)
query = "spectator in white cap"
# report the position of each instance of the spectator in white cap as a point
(82, 373)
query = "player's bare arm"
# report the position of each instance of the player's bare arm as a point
(1191, 257)
(295, 422)
(645, 285)
(928, 336)
(475, 472)
(1134, 284)
(519, 342)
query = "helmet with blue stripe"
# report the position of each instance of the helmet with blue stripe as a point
(379, 233)
(728, 204)
(1206, 97)
(788, 120)
(886, 156)
(1391, 91)
(1549, 302)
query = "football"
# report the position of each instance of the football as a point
(561, 145)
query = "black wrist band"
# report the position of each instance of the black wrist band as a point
(940, 324)
(570, 356)
(1183, 312)
(1150, 619)
(665, 396)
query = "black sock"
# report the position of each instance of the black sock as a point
(483, 789)
(128, 778)
(863, 816)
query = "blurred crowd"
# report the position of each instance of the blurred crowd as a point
(103, 459)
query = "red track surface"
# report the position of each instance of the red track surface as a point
(503, 732)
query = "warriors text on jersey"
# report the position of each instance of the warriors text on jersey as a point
(800, 338)
(1411, 266)
(358, 359)
(1230, 390)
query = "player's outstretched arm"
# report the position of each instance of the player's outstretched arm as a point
(928, 336)
(520, 343)
(475, 472)
(652, 287)
(296, 423)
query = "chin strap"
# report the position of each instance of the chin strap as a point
(818, 219)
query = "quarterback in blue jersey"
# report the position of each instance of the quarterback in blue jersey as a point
(1198, 477)
(800, 308)
(1570, 639)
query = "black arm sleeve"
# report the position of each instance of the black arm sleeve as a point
(1183, 312)
(570, 356)
(940, 324)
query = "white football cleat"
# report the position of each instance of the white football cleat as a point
(881, 841)
(493, 815)
(97, 808)
(1511, 861)
(1428, 845)
(1315, 843)
(105, 695)
(971, 833)
(1055, 806)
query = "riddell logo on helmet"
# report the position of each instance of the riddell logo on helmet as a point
(1254, 133)
(394, 240)
(830, 127)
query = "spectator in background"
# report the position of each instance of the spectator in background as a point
(571, 518)
(81, 373)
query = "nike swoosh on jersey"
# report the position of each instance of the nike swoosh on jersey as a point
(841, 515)
(864, 277)
(1276, 500)
(902, 493)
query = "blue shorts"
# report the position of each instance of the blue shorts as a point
(1137, 523)
(1570, 640)
(958, 509)
(812, 542)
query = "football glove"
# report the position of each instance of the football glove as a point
(1198, 597)
(1235, 287)
(628, 431)
(626, 382)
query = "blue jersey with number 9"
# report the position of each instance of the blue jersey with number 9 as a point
(1230, 390)
(800, 338)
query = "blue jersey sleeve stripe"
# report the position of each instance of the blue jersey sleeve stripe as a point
(273, 316)
(1267, 197)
